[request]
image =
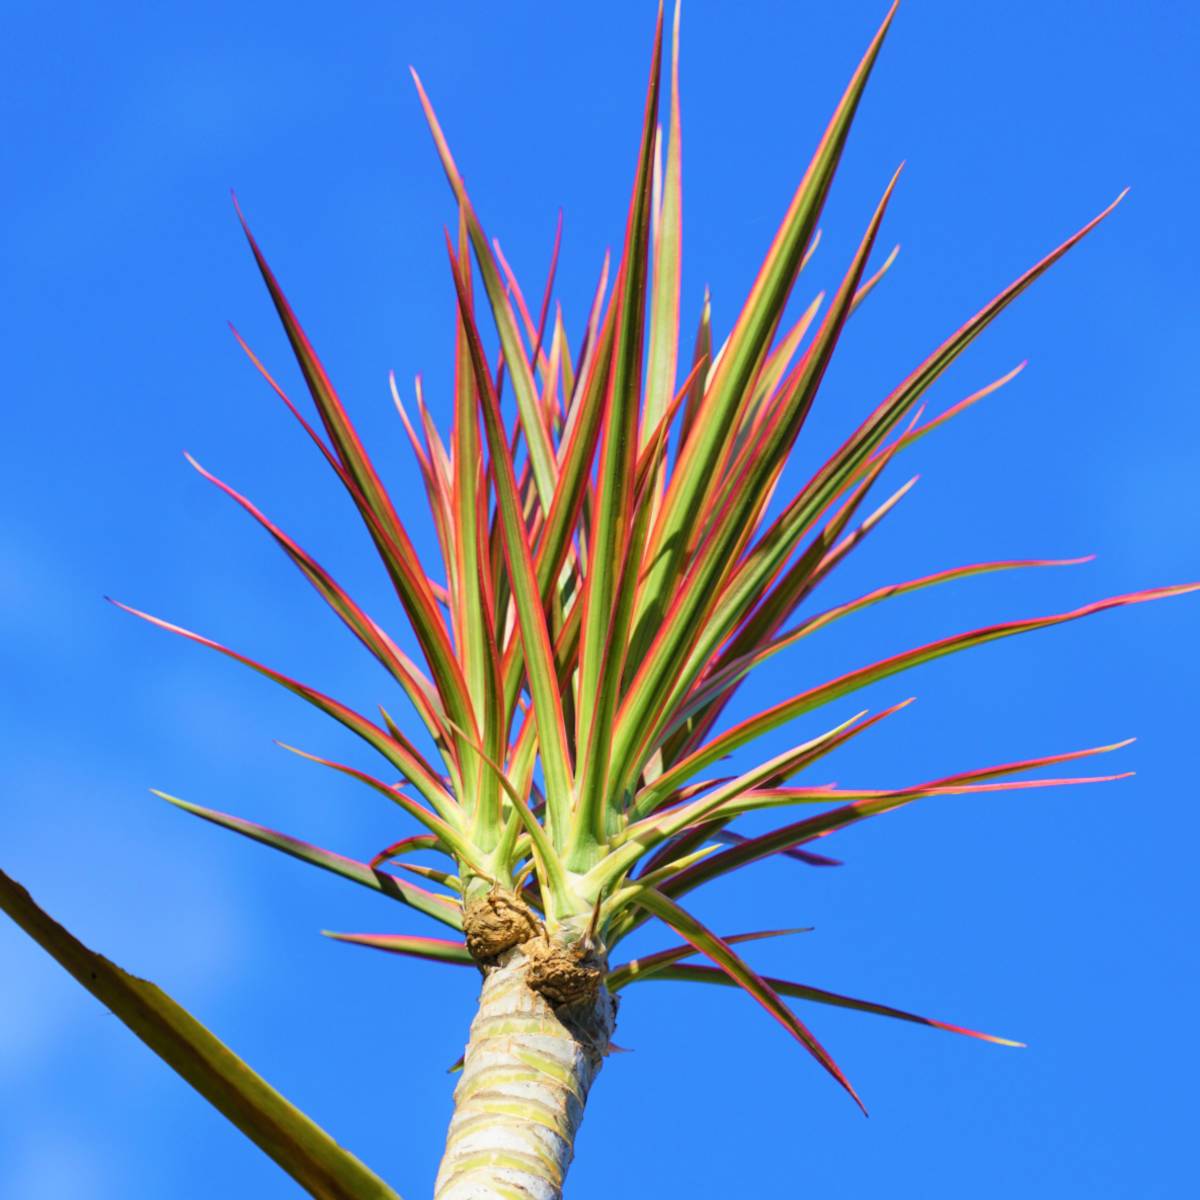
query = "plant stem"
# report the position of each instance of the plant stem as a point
(526, 1075)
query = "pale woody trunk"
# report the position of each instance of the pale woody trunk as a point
(524, 1083)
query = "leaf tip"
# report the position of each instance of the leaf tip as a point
(241, 216)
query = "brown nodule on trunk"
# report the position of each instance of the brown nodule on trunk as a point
(497, 923)
(563, 974)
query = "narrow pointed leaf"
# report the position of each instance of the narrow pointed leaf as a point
(741, 976)
(869, 804)
(680, 641)
(668, 238)
(440, 908)
(449, 834)
(841, 469)
(723, 679)
(374, 504)
(704, 452)
(433, 949)
(648, 964)
(400, 753)
(358, 622)
(609, 588)
(855, 680)
(696, 973)
(535, 637)
(541, 452)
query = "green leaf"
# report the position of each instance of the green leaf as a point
(369, 495)
(741, 975)
(680, 640)
(705, 453)
(304, 1150)
(866, 804)
(541, 451)
(638, 969)
(825, 551)
(531, 619)
(475, 586)
(651, 831)
(696, 973)
(440, 908)
(431, 949)
(609, 587)
(395, 748)
(776, 545)
(416, 686)
(668, 238)
(722, 680)
(450, 835)
(854, 681)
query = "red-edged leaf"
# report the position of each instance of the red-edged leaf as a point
(868, 804)
(854, 680)
(374, 504)
(724, 678)
(535, 637)
(701, 351)
(610, 581)
(869, 285)
(409, 845)
(742, 975)
(695, 973)
(415, 685)
(447, 833)
(432, 949)
(679, 641)
(474, 598)
(440, 908)
(397, 751)
(732, 838)
(541, 451)
(644, 966)
(706, 451)
(668, 238)
(845, 465)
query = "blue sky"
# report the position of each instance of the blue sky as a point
(1065, 919)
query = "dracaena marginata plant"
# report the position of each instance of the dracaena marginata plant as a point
(614, 569)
